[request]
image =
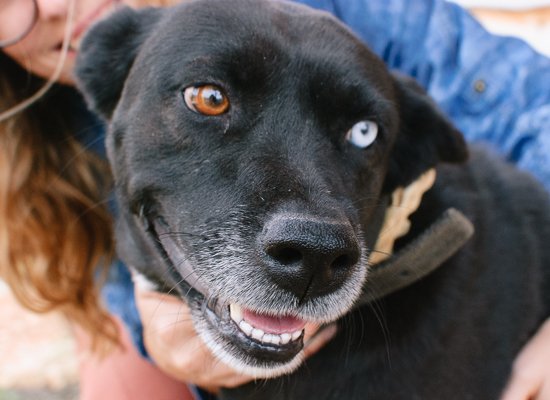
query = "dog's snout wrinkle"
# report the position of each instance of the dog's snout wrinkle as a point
(309, 254)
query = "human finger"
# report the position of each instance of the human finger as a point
(319, 339)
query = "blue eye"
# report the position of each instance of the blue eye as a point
(362, 134)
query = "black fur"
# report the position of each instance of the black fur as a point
(297, 81)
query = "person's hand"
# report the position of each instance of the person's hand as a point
(530, 378)
(174, 346)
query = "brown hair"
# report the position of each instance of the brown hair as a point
(55, 229)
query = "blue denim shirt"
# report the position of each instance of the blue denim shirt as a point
(495, 89)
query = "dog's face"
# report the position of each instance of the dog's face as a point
(250, 143)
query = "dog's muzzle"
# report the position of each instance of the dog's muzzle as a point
(305, 264)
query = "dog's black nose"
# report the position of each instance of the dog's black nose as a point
(309, 256)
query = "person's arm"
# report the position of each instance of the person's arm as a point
(495, 89)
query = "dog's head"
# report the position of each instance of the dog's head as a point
(251, 142)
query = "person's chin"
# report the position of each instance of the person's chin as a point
(66, 75)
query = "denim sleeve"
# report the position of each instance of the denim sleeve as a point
(118, 294)
(495, 89)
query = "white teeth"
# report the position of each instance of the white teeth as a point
(257, 334)
(296, 335)
(269, 338)
(246, 327)
(285, 338)
(236, 313)
(276, 340)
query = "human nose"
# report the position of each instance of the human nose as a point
(52, 9)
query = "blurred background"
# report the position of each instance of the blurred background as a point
(37, 353)
(526, 19)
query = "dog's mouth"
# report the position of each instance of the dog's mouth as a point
(269, 339)
(265, 329)
(258, 343)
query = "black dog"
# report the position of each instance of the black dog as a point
(254, 145)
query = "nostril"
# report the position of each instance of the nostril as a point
(343, 262)
(315, 256)
(285, 255)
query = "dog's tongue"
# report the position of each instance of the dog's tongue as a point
(277, 325)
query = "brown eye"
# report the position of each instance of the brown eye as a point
(206, 100)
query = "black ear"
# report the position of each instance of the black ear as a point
(106, 55)
(426, 137)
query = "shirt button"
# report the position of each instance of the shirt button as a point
(480, 86)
